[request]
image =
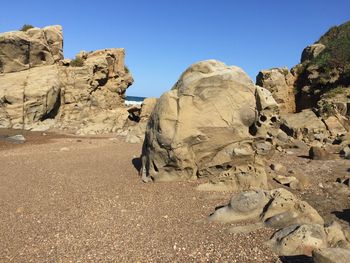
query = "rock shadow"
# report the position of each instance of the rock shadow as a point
(296, 259)
(136, 162)
(344, 215)
(305, 157)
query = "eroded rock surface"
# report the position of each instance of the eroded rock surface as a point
(280, 82)
(201, 128)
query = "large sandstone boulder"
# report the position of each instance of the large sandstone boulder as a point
(36, 47)
(280, 82)
(200, 128)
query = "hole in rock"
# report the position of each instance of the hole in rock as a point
(41, 56)
(263, 118)
(56, 107)
(253, 130)
(273, 119)
(155, 167)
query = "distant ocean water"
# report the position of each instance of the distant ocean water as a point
(131, 100)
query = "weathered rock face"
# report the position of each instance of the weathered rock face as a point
(312, 51)
(28, 96)
(299, 240)
(35, 47)
(280, 82)
(84, 97)
(97, 86)
(201, 129)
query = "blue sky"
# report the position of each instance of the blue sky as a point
(162, 37)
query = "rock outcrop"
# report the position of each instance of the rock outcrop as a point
(35, 47)
(324, 69)
(280, 82)
(40, 90)
(201, 128)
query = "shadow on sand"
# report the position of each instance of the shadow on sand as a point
(344, 215)
(136, 162)
(296, 259)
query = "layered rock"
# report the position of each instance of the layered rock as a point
(35, 47)
(40, 90)
(97, 86)
(280, 82)
(201, 128)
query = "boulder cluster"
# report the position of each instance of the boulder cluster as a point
(215, 124)
(218, 125)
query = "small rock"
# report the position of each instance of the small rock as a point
(318, 153)
(290, 181)
(19, 138)
(64, 149)
(345, 152)
(279, 168)
(282, 136)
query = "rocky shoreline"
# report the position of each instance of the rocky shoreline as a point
(279, 148)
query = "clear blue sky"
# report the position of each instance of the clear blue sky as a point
(162, 37)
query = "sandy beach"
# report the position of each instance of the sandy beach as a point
(74, 199)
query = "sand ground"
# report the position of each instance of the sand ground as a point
(80, 199)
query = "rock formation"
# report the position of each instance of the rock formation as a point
(35, 47)
(202, 128)
(324, 67)
(280, 82)
(40, 90)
